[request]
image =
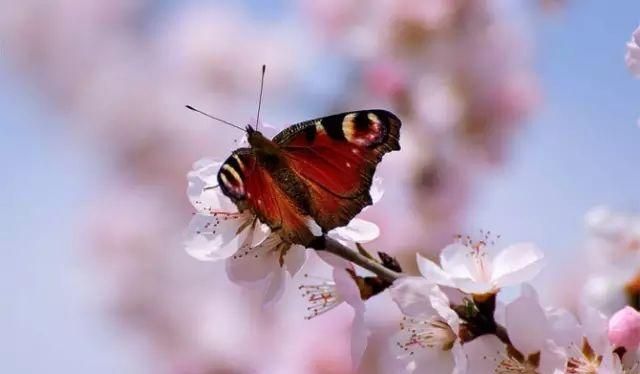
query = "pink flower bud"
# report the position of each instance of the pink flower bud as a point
(624, 328)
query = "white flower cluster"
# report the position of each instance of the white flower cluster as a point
(482, 335)
(454, 317)
(613, 248)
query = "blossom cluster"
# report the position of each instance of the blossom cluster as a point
(453, 318)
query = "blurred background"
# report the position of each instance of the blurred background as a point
(519, 117)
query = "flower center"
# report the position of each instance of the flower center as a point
(321, 297)
(431, 333)
(511, 365)
(586, 361)
(478, 254)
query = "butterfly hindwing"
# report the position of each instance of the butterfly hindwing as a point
(337, 156)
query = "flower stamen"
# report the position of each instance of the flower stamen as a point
(321, 297)
(431, 333)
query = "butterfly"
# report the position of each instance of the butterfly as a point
(313, 176)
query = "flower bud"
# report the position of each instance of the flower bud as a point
(624, 328)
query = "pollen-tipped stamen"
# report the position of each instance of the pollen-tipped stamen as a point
(430, 333)
(321, 297)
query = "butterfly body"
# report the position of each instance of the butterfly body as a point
(312, 176)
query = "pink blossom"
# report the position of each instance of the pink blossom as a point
(624, 328)
(632, 57)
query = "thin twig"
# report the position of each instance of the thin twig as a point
(333, 246)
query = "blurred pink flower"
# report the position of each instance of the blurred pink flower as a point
(624, 328)
(632, 57)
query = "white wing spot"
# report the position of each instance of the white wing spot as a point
(348, 164)
(237, 158)
(233, 172)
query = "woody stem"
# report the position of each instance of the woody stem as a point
(333, 246)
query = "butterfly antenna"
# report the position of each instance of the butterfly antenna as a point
(215, 118)
(264, 68)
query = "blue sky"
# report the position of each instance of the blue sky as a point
(580, 149)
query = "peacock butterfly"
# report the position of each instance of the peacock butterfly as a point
(313, 174)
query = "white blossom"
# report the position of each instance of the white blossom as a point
(471, 268)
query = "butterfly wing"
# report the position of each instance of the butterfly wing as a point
(251, 186)
(337, 156)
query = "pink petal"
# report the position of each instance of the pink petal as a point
(357, 231)
(256, 264)
(565, 328)
(347, 288)
(515, 264)
(456, 261)
(471, 286)
(359, 337)
(413, 296)
(211, 238)
(376, 190)
(484, 354)
(433, 272)
(594, 326)
(295, 259)
(526, 322)
(200, 192)
(274, 288)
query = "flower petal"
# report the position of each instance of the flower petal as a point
(440, 302)
(201, 189)
(433, 272)
(456, 261)
(516, 264)
(484, 353)
(434, 360)
(359, 337)
(357, 231)
(348, 289)
(526, 322)
(595, 326)
(255, 263)
(275, 288)
(214, 237)
(413, 296)
(565, 328)
(459, 359)
(376, 191)
(471, 286)
(295, 258)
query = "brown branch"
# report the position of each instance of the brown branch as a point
(333, 246)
